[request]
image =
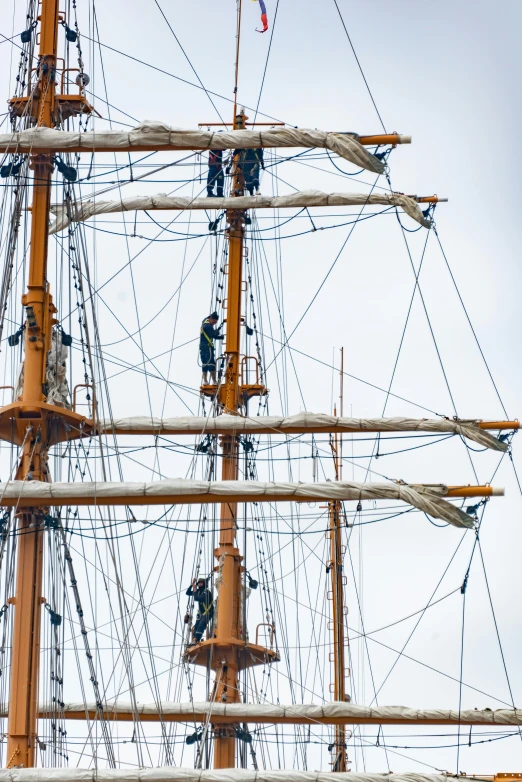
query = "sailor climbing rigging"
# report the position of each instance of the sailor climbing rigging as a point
(203, 597)
(207, 353)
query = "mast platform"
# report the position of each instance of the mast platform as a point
(66, 106)
(210, 653)
(246, 391)
(54, 424)
(209, 389)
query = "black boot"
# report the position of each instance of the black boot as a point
(220, 192)
(210, 192)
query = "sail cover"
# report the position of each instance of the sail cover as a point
(327, 713)
(158, 135)
(172, 774)
(427, 498)
(300, 424)
(67, 213)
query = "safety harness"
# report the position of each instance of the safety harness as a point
(210, 341)
(208, 607)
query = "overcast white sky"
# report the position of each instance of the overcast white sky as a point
(449, 74)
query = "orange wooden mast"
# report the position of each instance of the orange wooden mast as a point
(227, 622)
(226, 687)
(229, 651)
(25, 665)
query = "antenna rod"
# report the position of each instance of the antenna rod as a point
(238, 41)
(27, 600)
(341, 411)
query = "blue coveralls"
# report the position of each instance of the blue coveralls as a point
(249, 162)
(206, 609)
(215, 172)
(207, 351)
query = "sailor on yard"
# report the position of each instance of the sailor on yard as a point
(207, 351)
(249, 162)
(215, 174)
(203, 597)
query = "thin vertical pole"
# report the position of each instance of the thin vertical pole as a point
(341, 412)
(336, 575)
(236, 74)
(337, 589)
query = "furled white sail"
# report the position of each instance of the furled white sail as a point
(301, 423)
(56, 373)
(173, 774)
(427, 498)
(67, 213)
(157, 134)
(326, 713)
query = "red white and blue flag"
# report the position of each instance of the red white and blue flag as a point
(264, 20)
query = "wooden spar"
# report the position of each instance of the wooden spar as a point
(384, 139)
(84, 210)
(474, 491)
(493, 425)
(126, 494)
(252, 426)
(180, 774)
(266, 714)
(66, 425)
(23, 693)
(11, 144)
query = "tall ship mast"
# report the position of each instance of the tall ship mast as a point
(200, 626)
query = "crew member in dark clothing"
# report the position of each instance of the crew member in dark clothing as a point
(249, 161)
(207, 351)
(203, 597)
(215, 173)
